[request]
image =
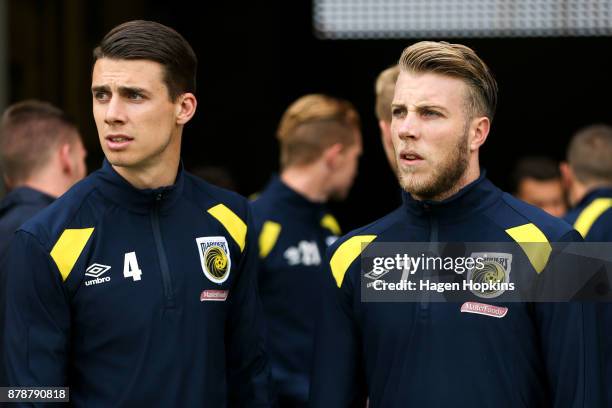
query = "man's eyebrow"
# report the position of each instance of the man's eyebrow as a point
(132, 89)
(432, 106)
(100, 88)
(122, 89)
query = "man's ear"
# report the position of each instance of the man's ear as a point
(331, 156)
(567, 174)
(8, 184)
(387, 142)
(479, 131)
(185, 108)
(65, 158)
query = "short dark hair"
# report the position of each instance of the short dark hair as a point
(539, 168)
(589, 154)
(28, 132)
(148, 40)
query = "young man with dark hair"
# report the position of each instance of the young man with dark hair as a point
(320, 143)
(437, 353)
(138, 286)
(537, 181)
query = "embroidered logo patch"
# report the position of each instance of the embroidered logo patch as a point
(496, 271)
(214, 258)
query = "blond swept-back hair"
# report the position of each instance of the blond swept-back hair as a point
(313, 123)
(589, 154)
(458, 61)
(385, 88)
(29, 132)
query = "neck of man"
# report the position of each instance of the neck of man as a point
(579, 190)
(50, 180)
(52, 189)
(307, 180)
(150, 177)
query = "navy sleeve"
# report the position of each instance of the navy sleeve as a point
(568, 334)
(337, 374)
(248, 368)
(37, 320)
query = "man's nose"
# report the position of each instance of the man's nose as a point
(409, 127)
(115, 112)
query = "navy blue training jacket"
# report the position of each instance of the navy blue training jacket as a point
(15, 208)
(294, 234)
(428, 354)
(138, 297)
(592, 217)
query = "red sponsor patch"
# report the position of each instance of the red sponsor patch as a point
(213, 295)
(484, 309)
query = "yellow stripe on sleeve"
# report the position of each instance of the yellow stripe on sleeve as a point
(534, 243)
(267, 237)
(68, 248)
(329, 221)
(590, 214)
(346, 253)
(232, 223)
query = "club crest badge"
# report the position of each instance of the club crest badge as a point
(490, 280)
(215, 258)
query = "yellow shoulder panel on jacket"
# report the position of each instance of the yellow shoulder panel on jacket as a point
(534, 243)
(68, 248)
(590, 214)
(329, 221)
(232, 223)
(267, 237)
(346, 253)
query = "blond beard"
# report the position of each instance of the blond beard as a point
(445, 178)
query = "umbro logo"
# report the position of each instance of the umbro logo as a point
(96, 271)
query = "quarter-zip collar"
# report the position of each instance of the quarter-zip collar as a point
(25, 195)
(473, 198)
(285, 194)
(604, 192)
(119, 190)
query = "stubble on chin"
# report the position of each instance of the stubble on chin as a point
(439, 180)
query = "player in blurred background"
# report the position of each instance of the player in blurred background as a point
(588, 176)
(320, 145)
(42, 156)
(384, 88)
(537, 181)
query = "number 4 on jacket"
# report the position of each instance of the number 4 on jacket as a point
(130, 266)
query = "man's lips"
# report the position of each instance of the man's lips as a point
(118, 142)
(410, 157)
